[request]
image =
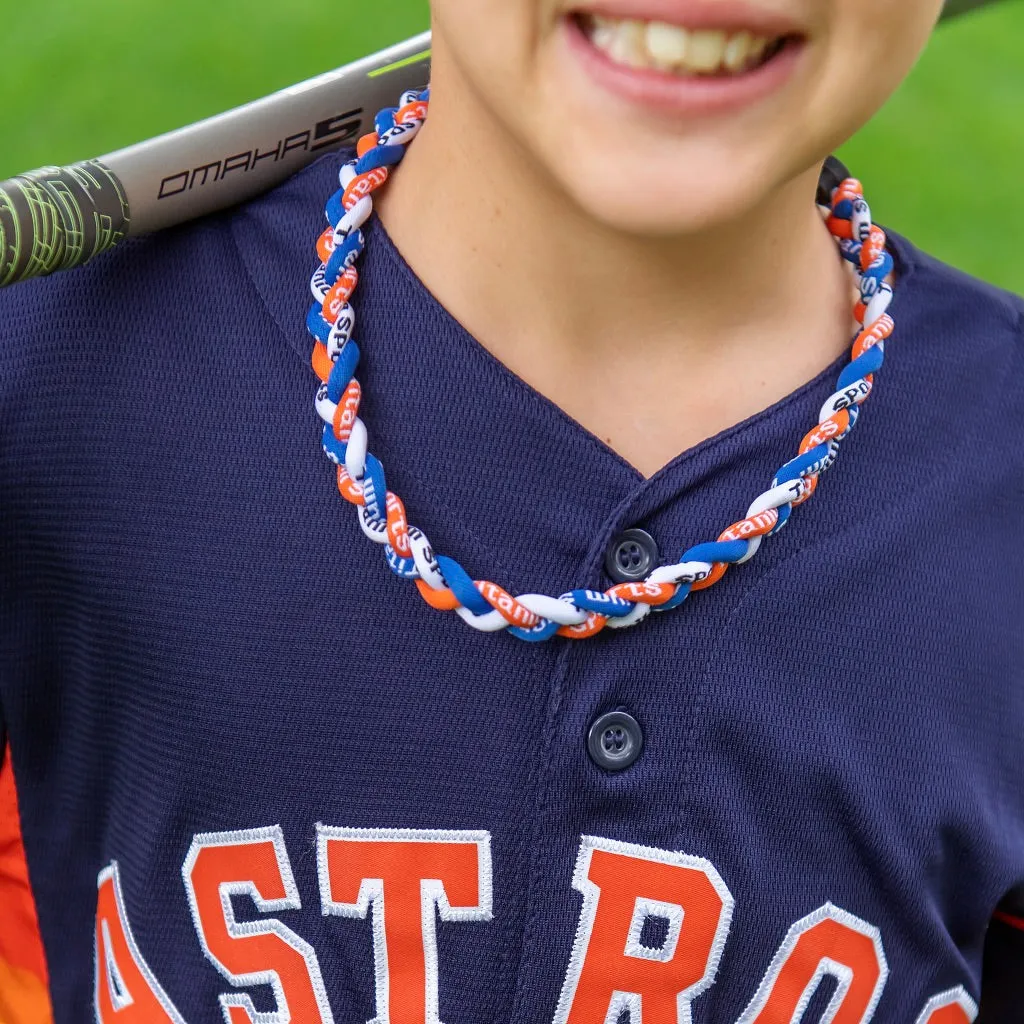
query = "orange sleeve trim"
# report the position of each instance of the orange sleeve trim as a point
(21, 948)
(23, 997)
(1013, 922)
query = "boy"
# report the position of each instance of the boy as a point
(262, 780)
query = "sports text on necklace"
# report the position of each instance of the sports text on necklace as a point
(442, 582)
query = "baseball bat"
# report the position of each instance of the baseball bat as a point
(57, 218)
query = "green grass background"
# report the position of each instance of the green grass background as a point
(78, 78)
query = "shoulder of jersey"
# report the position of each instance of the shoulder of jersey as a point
(971, 326)
(962, 301)
(200, 261)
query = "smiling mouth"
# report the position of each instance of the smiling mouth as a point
(674, 50)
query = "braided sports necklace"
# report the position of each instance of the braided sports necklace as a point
(579, 614)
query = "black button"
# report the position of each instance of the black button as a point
(615, 741)
(631, 557)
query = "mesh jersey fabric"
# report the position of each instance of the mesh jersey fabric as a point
(196, 638)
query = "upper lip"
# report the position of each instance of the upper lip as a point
(728, 15)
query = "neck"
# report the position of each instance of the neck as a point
(557, 296)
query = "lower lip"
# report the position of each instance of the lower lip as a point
(677, 94)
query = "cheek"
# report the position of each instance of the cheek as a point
(488, 39)
(872, 46)
(881, 40)
(492, 65)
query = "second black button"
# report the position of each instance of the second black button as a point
(615, 740)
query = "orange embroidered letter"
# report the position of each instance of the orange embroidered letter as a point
(405, 874)
(253, 863)
(126, 990)
(952, 1007)
(626, 887)
(828, 942)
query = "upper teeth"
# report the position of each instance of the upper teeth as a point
(673, 48)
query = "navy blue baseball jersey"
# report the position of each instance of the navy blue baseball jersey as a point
(262, 781)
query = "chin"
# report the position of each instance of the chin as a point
(662, 196)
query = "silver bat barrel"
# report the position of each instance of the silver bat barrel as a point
(57, 218)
